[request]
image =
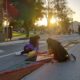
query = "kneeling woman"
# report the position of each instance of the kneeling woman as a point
(31, 49)
(58, 51)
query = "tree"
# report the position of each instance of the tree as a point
(1, 14)
(30, 10)
(1, 20)
(62, 12)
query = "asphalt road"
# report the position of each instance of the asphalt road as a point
(8, 59)
(59, 71)
(8, 49)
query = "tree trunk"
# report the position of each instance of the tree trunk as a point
(27, 30)
(27, 34)
(1, 19)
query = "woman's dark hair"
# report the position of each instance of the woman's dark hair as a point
(59, 51)
(34, 40)
(53, 44)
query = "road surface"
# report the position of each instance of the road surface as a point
(9, 61)
(59, 71)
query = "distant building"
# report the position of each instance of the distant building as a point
(75, 26)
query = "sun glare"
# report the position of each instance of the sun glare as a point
(53, 20)
(42, 22)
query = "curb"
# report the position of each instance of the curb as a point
(13, 42)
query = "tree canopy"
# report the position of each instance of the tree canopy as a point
(30, 10)
(62, 12)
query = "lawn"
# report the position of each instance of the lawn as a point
(18, 34)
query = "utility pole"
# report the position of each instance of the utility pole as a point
(49, 4)
(47, 15)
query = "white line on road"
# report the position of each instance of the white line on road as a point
(17, 53)
(1, 51)
(14, 53)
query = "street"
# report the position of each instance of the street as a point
(55, 23)
(9, 61)
(60, 71)
(8, 58)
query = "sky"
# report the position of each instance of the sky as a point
(75, 6)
